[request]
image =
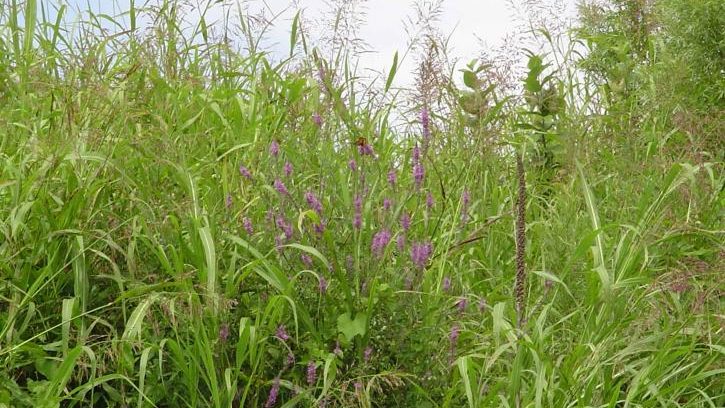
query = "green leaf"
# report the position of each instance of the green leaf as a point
(351, 327)
(391, 74)
(470, 79)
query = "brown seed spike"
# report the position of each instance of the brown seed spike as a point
(520, 286)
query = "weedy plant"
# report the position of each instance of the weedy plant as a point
(187, 224)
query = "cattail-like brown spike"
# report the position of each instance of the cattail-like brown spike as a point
(520, 285)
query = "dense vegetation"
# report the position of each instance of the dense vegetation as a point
(186, 224)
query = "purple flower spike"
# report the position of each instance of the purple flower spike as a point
(274, 148)
(357, 220)
(365, 150)
(387, 204)
(247, 224)
(380, 241)
(337, 350)
(311, 373)
(461, 305)
(280, 187)
(317, 119)
(352, 165)
(320, 227)
(228, 201)
(429, 202)
(273, 393)
(420, 253)
(307, 260)
(453, 336)
(313, 202)
(392, 177)
(405, 221)
(245, 172)
(281, 333)
(223, 333)
(367, 354)
(400, 242)
(418, 174)
(288, 169)
(416, 154)
(322, 286)
(285, 226)
(446, 284)
(425, 121)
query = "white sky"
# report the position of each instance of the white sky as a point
(467, 22)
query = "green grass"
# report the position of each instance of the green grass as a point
(129, 277)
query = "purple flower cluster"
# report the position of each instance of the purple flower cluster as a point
(274, 148)
(288, 169)
(425, 122)
(273, 393)
(400, 242)
(322, 286)
(228, 201)
(352, 165)
(392, 177)
(387, 203)
(420, 253)
(405, 221)
(317, 119)
(313, 202)
(466, 200)
(380, 241)
(446, 284)
(245, 172)
(281, 333)
(365, 150)
(223, 333)
(429, 201)
(280, 187)
(247, 224)
(285, 226)
(307, 260)
(311, 373)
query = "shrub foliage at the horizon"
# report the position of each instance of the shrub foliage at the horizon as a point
(186, 224)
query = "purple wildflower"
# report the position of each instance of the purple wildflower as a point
(317, 119)
(223, 333)
(307, 260)
(313, 202)
(453, 336)
(461, 305)
(367, 354)
(285, 226)
(311, 373)
(358, 386)
(337, 351)
(387, 204)
(380, 241)
(245, 172)
(280, 187)
(322, 286)
(405, 221)
(418, 174)
(365, 150)
(416, 154)
(466, 199)
(420, 253)
(425, 121)
(274, 148)
(289, 361)
(320, 227)
(392, 177)
(429, 202)
(446, 284)
(288, 169)
(273, 393)
(228, 201)
(400, 242)
(281, 333)
(278, 243)
(247, 224)
(352, 165)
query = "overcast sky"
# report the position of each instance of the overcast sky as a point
(467, 22)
